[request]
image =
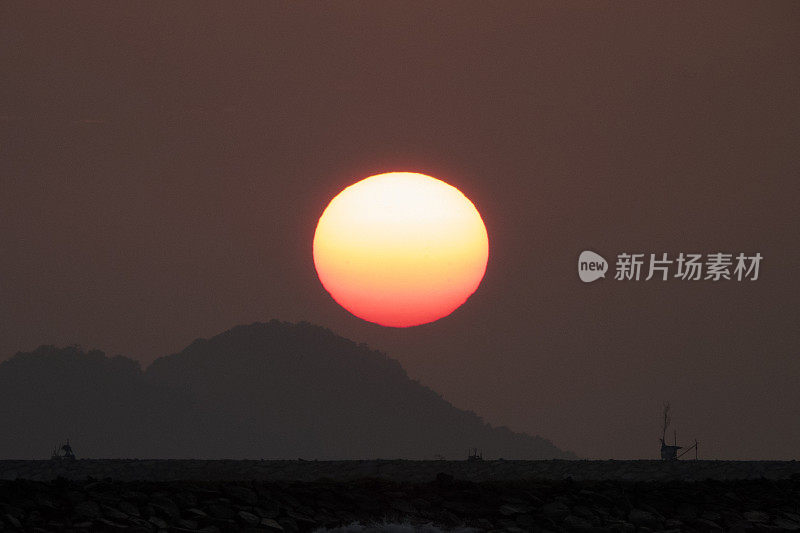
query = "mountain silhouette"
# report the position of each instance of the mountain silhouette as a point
(104, 405)
(267, 390)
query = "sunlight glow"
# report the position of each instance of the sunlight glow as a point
(400, 249)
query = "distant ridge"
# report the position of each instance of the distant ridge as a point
(266, 390)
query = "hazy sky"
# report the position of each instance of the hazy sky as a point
(163, 167)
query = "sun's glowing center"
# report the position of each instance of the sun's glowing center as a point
(400, 249)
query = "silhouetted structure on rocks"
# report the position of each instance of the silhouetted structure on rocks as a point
(670, 452)
(63, 453)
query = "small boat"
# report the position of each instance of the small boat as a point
(670, 452)
(63, 453)
(473, 455)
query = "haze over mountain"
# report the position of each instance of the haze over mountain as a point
(104, 405)
(274, 390)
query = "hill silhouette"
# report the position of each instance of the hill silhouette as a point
(104, 405)
(266, 390)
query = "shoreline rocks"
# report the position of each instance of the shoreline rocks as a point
(396, 470)
(446, 502)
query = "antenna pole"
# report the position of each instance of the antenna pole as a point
(666, 422)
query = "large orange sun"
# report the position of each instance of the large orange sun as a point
(400, 249)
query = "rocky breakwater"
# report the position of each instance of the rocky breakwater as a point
(532, 505)
(396, 470)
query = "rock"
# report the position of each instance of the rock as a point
(572, 522)
(12, 520)
(525, 521)
(288, 524)
(621, 526)
(218, 510)
(248, 518)
(224, 524)
(730, 517)
(557, 511)
(195, 514)
(484, 524)
(43, 502)
(158, 522)
(586, 513)
(240, 494)
(34, 519)
(457, 507)
(140, 523)
(166, 509)
(271, 525)
(186, 524)
(402, 506)
(754, 527)
(108, 525)
(128, 508)
(12, 510)
(444, 479)
(672, 523)
(98, 486)
(113, 514)
(511, 510)
(786, 524)
(306, 506)
(641, 518)
(87, 509)
(303, 521)
(74, 496)
(706, 525)
(185, 499)
(756, 516)
(268, 509)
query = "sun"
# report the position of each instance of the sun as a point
(400, 249)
